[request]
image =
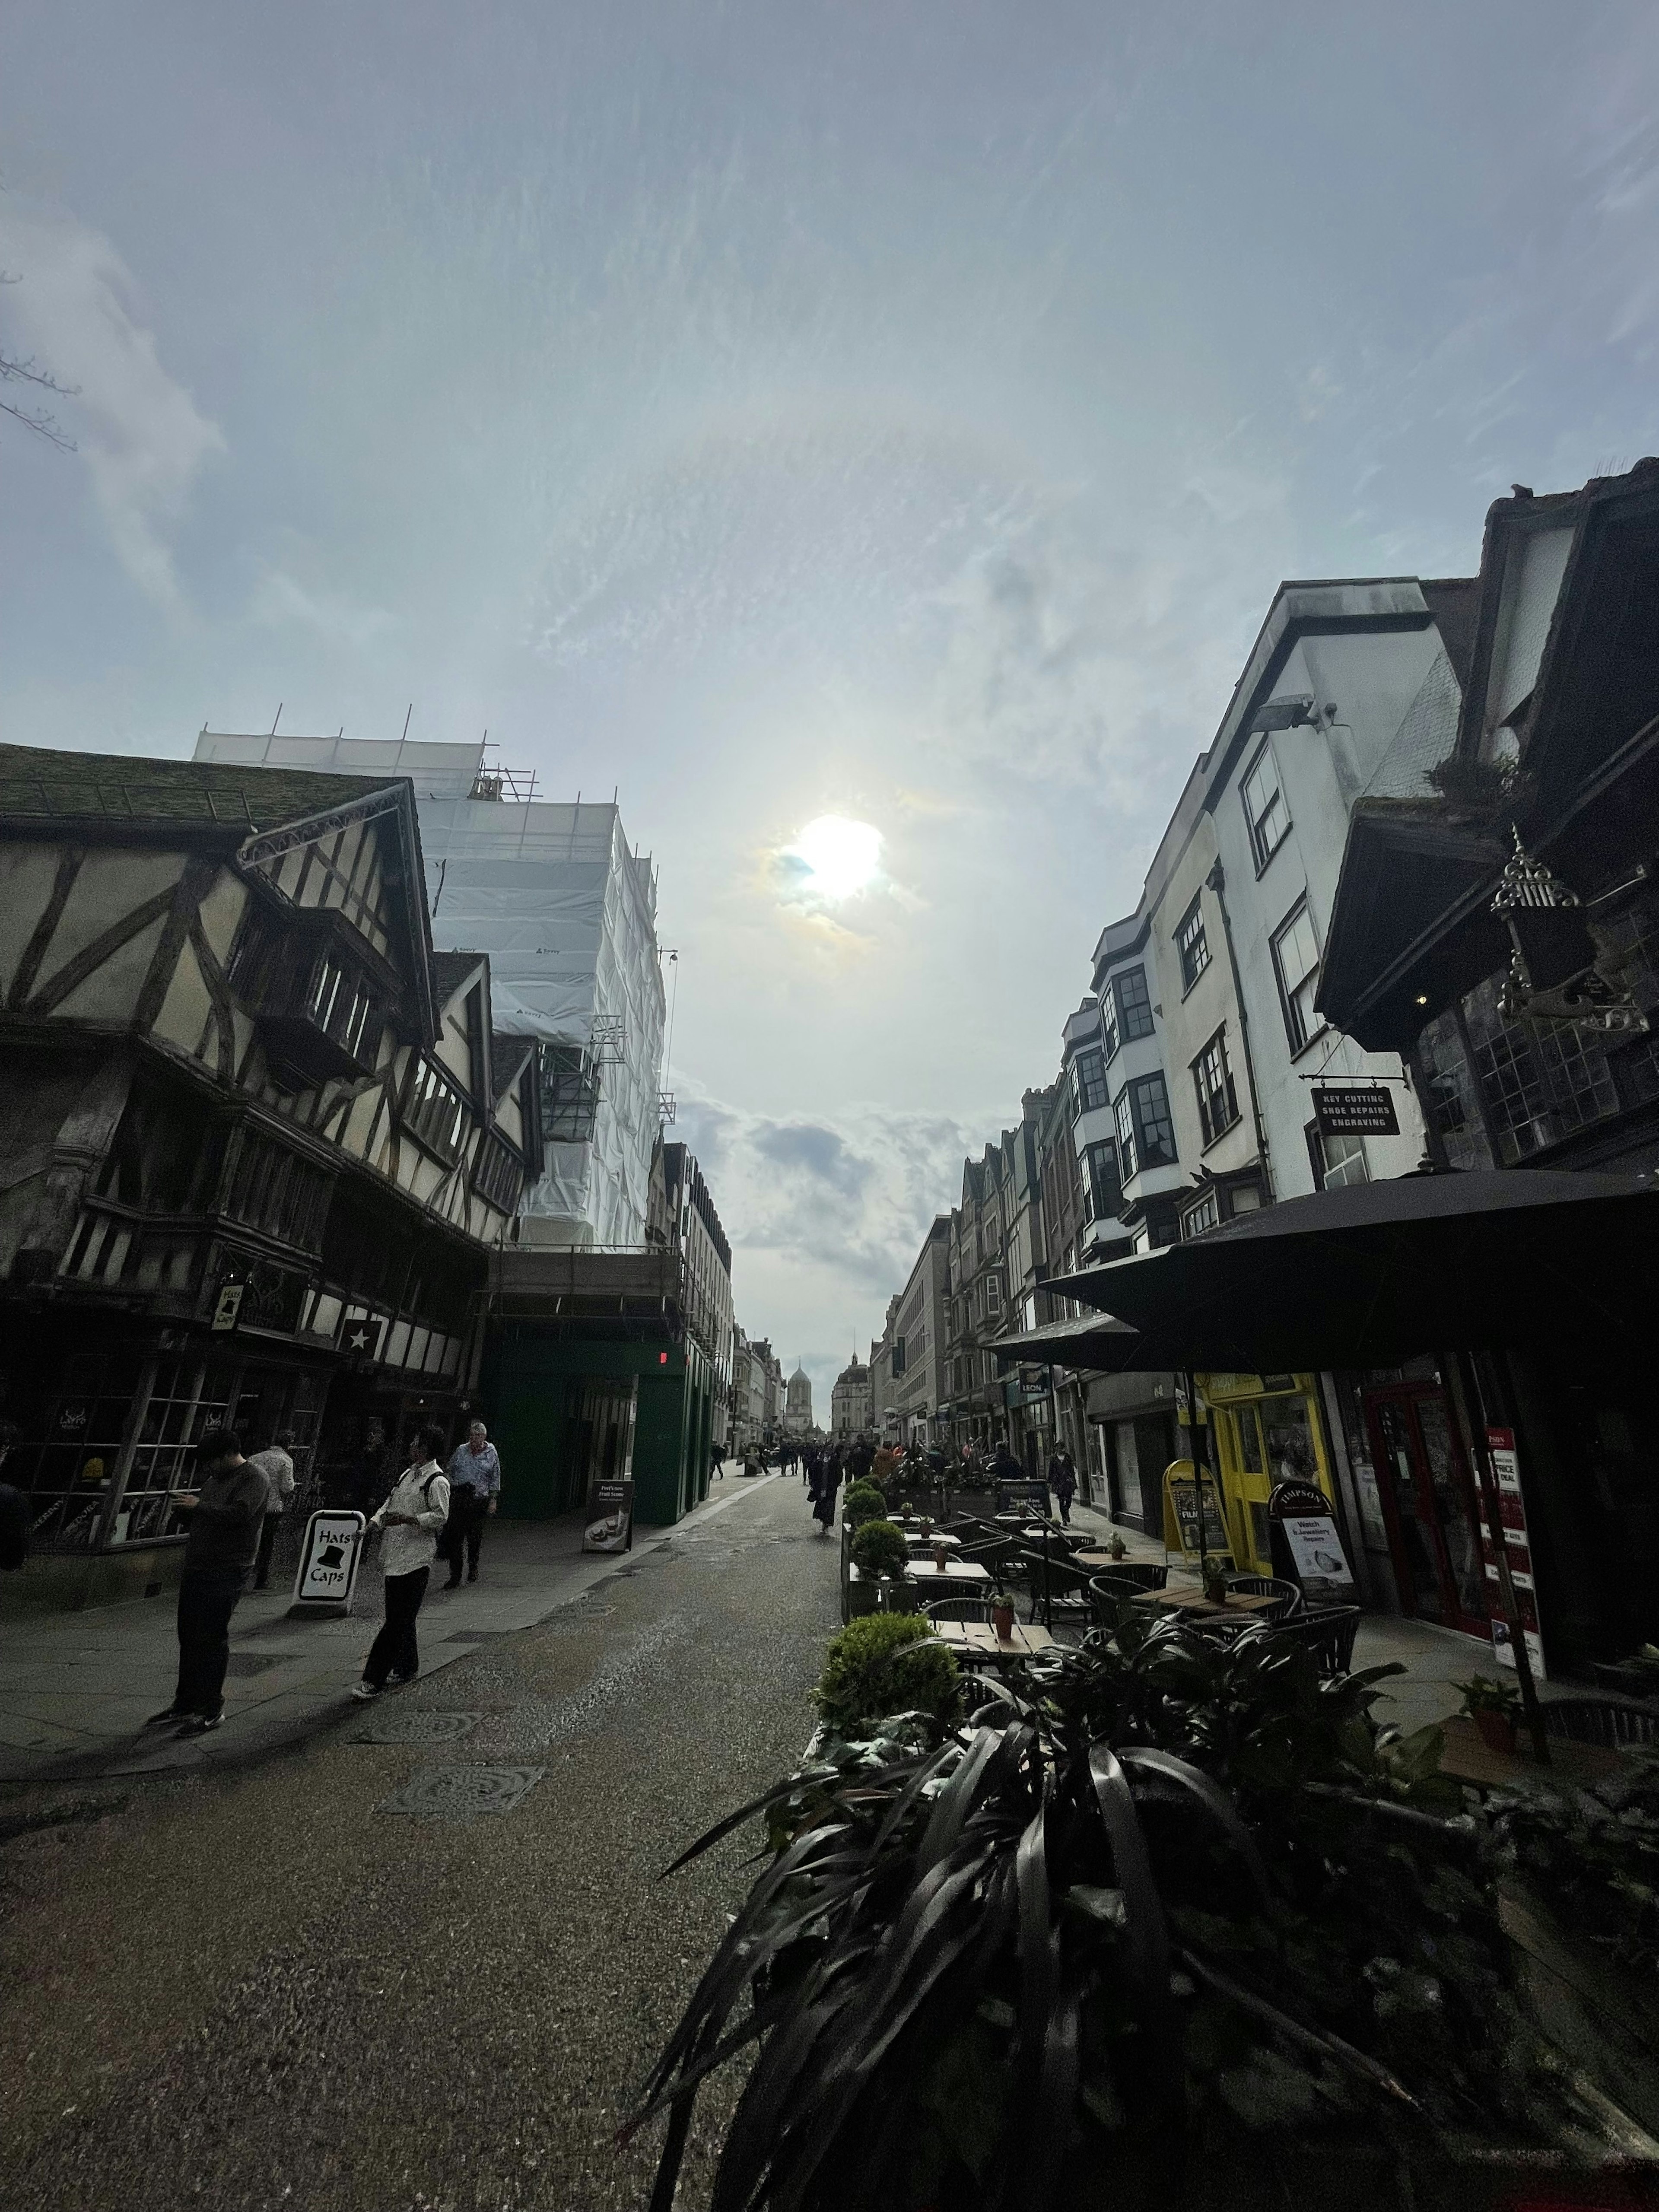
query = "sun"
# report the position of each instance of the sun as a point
(837, 858)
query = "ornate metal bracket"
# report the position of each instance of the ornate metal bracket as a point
(1554, 975)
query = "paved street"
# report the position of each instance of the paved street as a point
(261, 1988)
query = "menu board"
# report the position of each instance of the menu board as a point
(610, 1517)
(1312, 1549)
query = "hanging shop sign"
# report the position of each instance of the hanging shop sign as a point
(611, 1518)
(329, 1559)
(227, 1307)
(1512, 1513)
(1306, 1544)
(360, 1335)
(1555, 968)
(1354, 1109)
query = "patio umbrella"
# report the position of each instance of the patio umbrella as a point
(1371, 1273)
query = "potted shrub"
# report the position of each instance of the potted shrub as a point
(1117, 1547)
(1495, 1709)
(1002, 1617)
(879, 1549)
(885, 1664)
(862, 1502)
(1215, 1578)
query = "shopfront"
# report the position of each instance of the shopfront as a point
(1266, 1429)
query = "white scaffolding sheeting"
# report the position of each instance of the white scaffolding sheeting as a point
(567, 916)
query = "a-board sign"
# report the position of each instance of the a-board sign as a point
(329, 1559)
(1517, 1546)
(1181, 1514)
(1024, 1498)
(611, 1518)
(1305, 1542)
(1354, 1109)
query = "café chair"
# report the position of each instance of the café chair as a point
(1288, 1595)
(1600, 1721)
(959, 1608)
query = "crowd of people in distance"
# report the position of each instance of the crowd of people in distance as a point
(825, 1464)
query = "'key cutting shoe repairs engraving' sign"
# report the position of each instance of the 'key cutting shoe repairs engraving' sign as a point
(328, 1560)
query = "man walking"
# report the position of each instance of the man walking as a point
(1062, 1480)
(412, 1518)
(276, 1463)
(226, 1513)
(475, 1486)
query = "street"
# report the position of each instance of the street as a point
(262, 1988)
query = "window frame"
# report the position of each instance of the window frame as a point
(1324, 1168)
(1135, 1085)
(1128, 1018)
(1192, 938)
(1212, 1130)
(1093, 1186)
(1261, 853)
(1084, 1084)
(1208, 1203)
(1123, 1114)
(1287, 1006)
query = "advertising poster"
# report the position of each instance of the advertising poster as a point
(1512, 1515)
(611, 1518)
(329, 1559)
(1311, 1547)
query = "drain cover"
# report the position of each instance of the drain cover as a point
(410, 1725)
(462, 1793)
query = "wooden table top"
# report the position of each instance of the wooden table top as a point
(956, 1571)
(979, 1639)
(1194, 1601)
(1472, 1760)
(1102, 1562)
(925, 1543)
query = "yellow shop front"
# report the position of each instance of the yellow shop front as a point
(1265, 1429)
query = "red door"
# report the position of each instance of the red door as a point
(1428, 1501)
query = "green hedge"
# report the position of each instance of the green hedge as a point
(885, 1663)
(863, 1502)
(879, 1548)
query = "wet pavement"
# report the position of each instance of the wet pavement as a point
(421, 1961)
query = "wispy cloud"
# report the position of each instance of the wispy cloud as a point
(143, 438)
(280, 600)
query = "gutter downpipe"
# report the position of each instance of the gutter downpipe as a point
(1216, 882)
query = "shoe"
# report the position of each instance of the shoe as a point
(454, 1585)
(171, 1713)
(366, 1691)
(199, 1723)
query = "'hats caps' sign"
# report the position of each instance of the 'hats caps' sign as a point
(1353, 1110)
(329, 1559)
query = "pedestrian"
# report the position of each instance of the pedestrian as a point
(825, 1482)
(413, 1518)
(719, 1457)
(1062, 1480)
(276, 1463)
(13, 1509)
(225, 1512)
(475, 1488)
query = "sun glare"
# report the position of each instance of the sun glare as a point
(838, 858)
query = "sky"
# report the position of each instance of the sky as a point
(893, 415)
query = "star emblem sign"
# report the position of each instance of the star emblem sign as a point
(359, 1339)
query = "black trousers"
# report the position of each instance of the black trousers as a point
(394, 1650)
(207, 1598)
(267, 1538)
(464, 1531)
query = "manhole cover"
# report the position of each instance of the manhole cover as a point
(255, 1662)
(412, 1725)
(462, 1793)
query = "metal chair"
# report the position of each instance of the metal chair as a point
(1289, 1597)
(1115, 1598)
(1145, 1574)
(1056, 1586)
(1601, 1721)
(1325, 1632)
(958, 1608)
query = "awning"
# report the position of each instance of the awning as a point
(1369, 1274)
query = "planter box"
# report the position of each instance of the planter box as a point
(858, 1595)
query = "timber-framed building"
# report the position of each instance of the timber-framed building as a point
(256, 1140)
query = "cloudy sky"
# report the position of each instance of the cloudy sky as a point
(791, 408)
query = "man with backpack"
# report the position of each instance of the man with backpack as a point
(413, 1519)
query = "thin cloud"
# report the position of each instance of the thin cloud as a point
(140, 433)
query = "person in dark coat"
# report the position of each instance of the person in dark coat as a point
(1062, 1480)
(825, 1483)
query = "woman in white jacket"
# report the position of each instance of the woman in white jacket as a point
(413, 1518)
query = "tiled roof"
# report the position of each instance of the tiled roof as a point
(36, 783)
(451, 969)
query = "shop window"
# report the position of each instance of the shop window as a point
(1103, 1193)
(1288, 1437)
(436, 1111)
(1124, 1113)
(345, 1009)
(1191, 944)
(1336, 1160)
(1213, 1080)
(1446, 1089)
(1295, 963)
(165, 1153)
(1539, 1083)
(497, 1173)
(1264, 813)
(1089, 1081)
(273, 1190)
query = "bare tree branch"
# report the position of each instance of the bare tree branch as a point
(33, 416)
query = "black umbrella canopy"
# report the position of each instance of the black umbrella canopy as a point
(1097, 1343)
(1368, 1274)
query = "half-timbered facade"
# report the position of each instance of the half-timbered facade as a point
(255, 1137)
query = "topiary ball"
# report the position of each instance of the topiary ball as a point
(879, 1548)
(885, 1663)
(862, 1503)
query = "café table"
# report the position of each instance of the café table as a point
(966, 1573)
(1102, 1563)
(977, 1640)
(921, 1539)
(1236, 1604)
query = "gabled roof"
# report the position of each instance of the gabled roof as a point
(452, 971)
(37, 784)
(507, 1055)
